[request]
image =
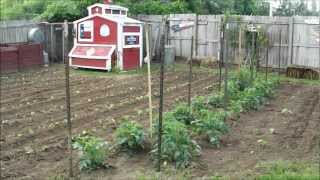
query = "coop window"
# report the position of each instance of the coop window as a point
(115, 11)
(108, 11)
(124, 12)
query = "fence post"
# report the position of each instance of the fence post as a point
(51, 42)
(161, 97)
(240, 46)
(195, 36)
(190, 73)
(253, 58)
(221, 51)
(291, 39)
(67, 81)
(280, 44)
(226, 66)
(1, 85)
(267, 62)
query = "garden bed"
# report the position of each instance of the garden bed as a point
(34, 143)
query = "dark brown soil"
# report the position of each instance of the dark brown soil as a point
(34, 126)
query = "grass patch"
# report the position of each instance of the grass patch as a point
(283, 170)
(299, 81)
(155, 68)
(116, 72)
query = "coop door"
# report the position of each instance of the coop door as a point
(131, 58)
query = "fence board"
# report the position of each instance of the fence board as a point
(299, 45)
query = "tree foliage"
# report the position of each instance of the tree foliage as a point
(59, 10)
(291, 8)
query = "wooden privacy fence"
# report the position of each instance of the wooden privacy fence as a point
(298, 43)
(17, 32)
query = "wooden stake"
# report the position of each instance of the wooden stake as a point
(67, 80)
(190, 73)
(161, 98)
(148, 59)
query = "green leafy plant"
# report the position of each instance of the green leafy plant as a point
(233, 90)
(130, 135)
(177, 145)
(242, 79)
(183, 113)
(216, 100)
(92, 151)
(253, 97)
(212, 124)
(199, 103)
(236, 108)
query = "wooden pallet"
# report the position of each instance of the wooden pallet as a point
(302, 72)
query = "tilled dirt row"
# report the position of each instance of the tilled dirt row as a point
(286, 128)
(35, 144)
(98, 95)
(94, 107)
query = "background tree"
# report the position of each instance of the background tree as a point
(299, 8)
(58, 10)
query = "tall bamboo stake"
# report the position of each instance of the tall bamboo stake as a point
(148, 58)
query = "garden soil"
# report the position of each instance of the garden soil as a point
(34, 123)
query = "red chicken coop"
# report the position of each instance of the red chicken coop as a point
(107, 38)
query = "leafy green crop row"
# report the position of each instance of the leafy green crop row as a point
(205, 117)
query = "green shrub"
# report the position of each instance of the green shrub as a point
(250, 99)
(199, 103)
(177, 145)
(243, 79)
(92, 151)
(233, 90)
(253, 97)
(183, 113)
(212, 124)
(216, 100)
(130, 135)
(236, 107)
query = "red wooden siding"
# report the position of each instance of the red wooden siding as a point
(131, 58)
(89, 62)
(9, 59)
(97, 39)
(19, 56)
(131, 29)
(30, 55)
